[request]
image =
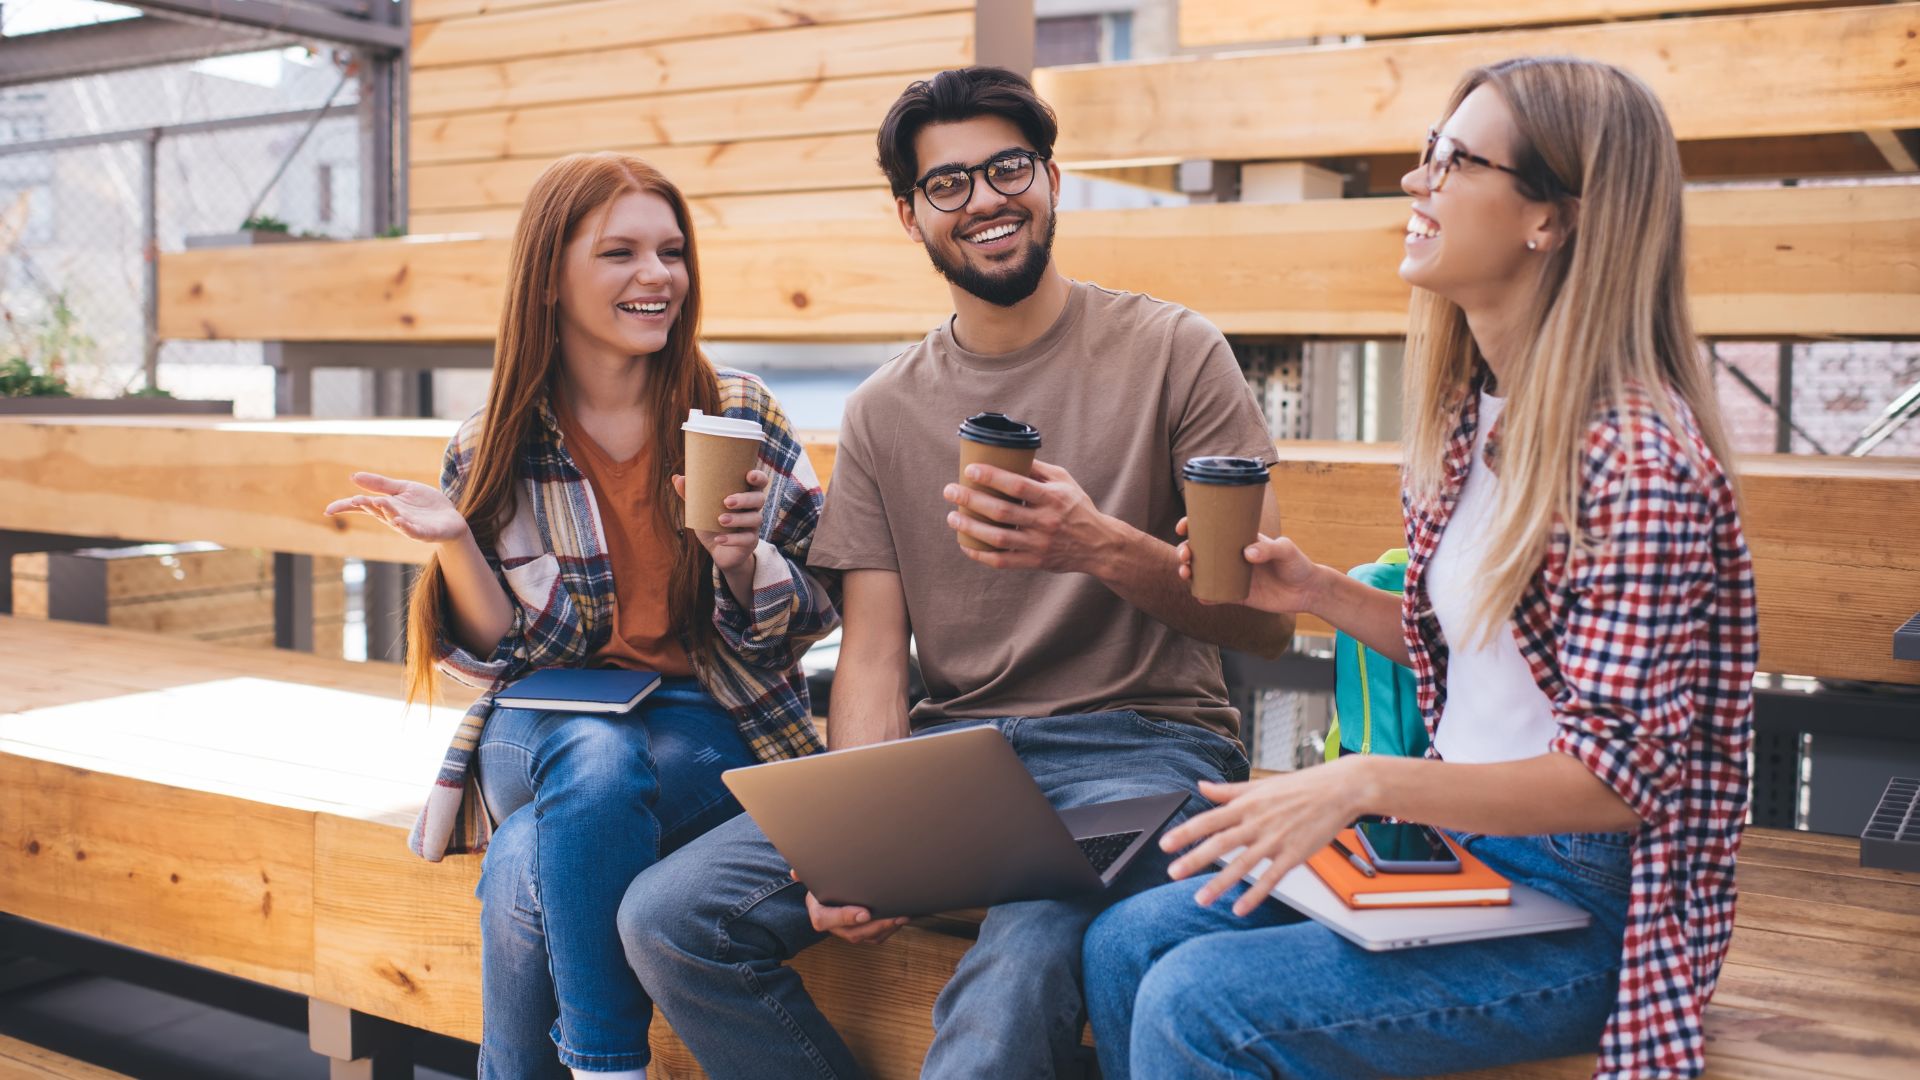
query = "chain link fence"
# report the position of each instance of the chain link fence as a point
(271, 133)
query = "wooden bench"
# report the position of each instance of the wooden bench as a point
(129, 764)
(143, 801)
(25, 1061)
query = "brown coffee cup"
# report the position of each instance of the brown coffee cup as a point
(721, 450)
(992, 438)
(1225, 496)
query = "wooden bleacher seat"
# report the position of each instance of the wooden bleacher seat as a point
(130, 765)
(148, 803)
(25, 1061)
(1795, 262)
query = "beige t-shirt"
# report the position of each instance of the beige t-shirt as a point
(1124, 389)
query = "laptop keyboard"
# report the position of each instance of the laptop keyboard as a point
(1102, 850)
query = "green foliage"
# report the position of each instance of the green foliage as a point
(264, 223)
(18, 379)
(392, 232)
(34, 357)
(149, 392)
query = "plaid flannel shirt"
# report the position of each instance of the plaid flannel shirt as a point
(1645, 646)
(552, 561)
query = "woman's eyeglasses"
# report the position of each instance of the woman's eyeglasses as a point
(1443, 155)
(1009, 173)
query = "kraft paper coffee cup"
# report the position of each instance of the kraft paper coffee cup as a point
(992, 438)
(721, 450)
(1224, 498)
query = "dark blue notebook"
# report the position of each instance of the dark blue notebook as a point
(595, 690)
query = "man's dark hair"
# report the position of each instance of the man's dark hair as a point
(960, 94)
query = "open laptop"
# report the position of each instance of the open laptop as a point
(1382, 929)
(939, 822)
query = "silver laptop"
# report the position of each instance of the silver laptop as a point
(939, 822)
(1532, 912)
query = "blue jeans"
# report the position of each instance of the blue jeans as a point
(709, 930)
(1177, 990)
(585, 802)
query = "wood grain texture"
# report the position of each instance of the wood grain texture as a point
(1806, 262)
(716, 212)
(596, 25)
(760, 166)
(398, 937)
(1235, 22)
(25, 1061)
(1825, 533)
(784, 111)
(213, 881)
(1718, 77)
(811, 53)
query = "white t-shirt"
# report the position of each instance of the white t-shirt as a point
(1494, 710)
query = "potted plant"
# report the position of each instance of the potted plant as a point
(256, 230)
(35, 355)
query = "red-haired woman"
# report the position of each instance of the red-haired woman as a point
(558, 542)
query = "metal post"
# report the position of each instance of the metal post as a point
(1783, 401)
(150, 254)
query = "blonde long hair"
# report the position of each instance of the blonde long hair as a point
(1609, 312)
(526, 363)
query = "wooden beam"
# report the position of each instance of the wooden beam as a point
(1833, 568)
(1235, 22)
(209, 880)
(763, 166)
(1898, 147)
(719, 211)
(1840, 153)
(1798, 262)
(787, 110)
(1720, 77)
(598, 25)
(812, 53)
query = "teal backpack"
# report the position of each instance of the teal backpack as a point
(1375, 707)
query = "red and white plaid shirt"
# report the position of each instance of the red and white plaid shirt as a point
(1645, 645)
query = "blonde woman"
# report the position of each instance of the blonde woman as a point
(558, 542)
(1579, 611)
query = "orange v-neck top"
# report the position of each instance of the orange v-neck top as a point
(640, 549)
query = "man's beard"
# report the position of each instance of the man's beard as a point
(1006, 287)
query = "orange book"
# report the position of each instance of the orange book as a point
(1474, 885)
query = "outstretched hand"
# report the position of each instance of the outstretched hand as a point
(414, 510)
(1285, 581)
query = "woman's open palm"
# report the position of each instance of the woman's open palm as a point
(413, 509)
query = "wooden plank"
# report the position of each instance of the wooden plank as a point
(395, 935)
(1896, 148)
(709, 213)
(1775, 262)
(1718, 78)
(246, 484)
(1826, 536)
(597, 25)
(25, 1061)
(425, 11)
(915, 44)
(261, 485)
(813, 107)
(1835, 154)
(216, 882)
(758, 166)
(1234, 22)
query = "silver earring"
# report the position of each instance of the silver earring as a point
(1532, 246)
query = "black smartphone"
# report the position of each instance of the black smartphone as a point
(1406, 849)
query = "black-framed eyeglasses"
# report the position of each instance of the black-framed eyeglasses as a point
(1444, 154)
(1009, 172)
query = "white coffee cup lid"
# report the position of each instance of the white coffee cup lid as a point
(729, 426)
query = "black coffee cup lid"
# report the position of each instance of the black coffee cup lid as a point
(999, 429)
(1225, 470)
